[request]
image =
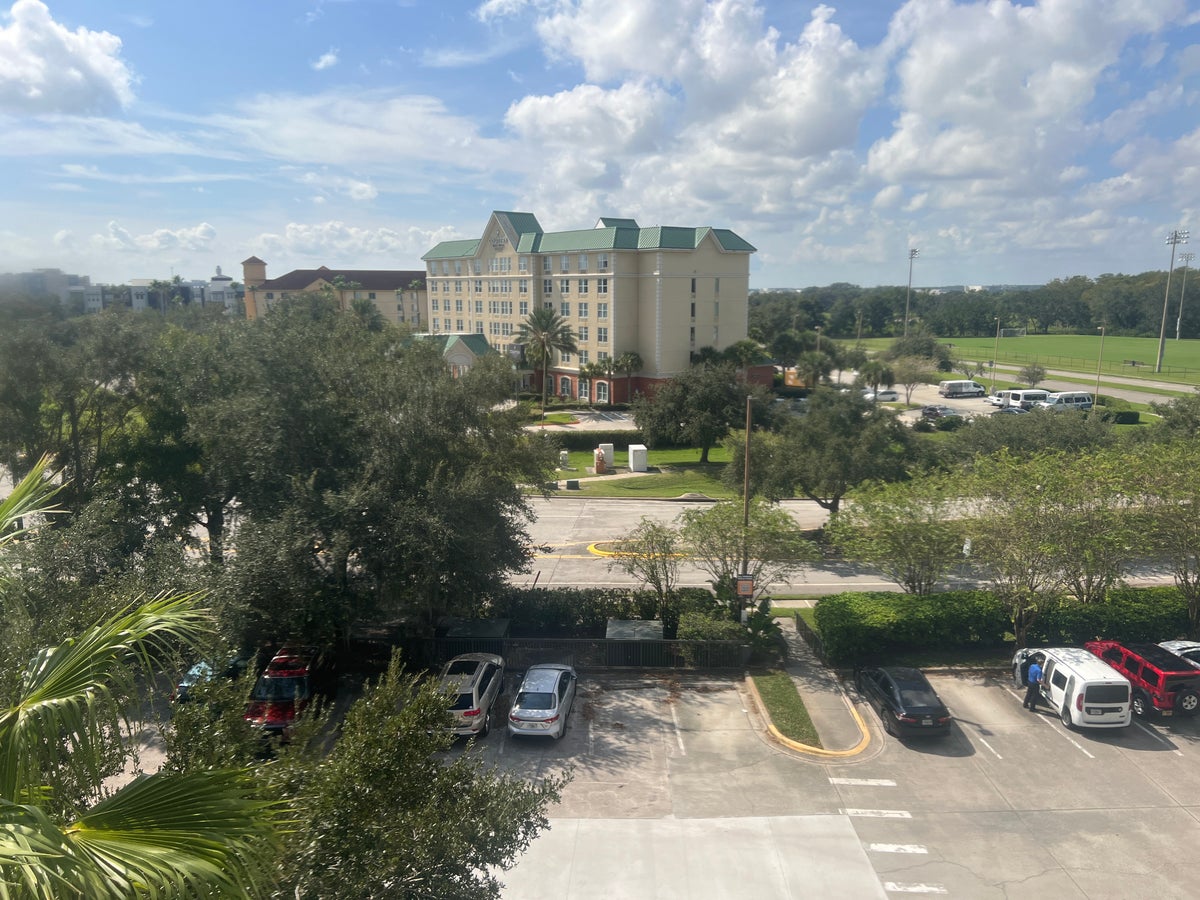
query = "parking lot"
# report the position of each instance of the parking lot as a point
(676, 792)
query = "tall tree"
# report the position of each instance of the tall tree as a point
(626, 364)
(651, 553)
(543, 334)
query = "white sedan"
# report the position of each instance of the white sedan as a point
(888, 396)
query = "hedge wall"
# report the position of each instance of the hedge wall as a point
(590, 440)
(855, 627)
(581, 612)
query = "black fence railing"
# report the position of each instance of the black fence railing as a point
(585, 653)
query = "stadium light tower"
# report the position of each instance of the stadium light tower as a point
(1175, 238)
(1185, 258)
(912, 254)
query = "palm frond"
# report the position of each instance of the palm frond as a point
(62, 686)
(30, 497)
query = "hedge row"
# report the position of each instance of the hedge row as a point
(855, 627)
(581, 612)
(590, 440)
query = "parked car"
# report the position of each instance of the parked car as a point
(1082, 690)
(936, 411)
(996, 398)
(232, 667)
(905, 700)
(1189, 650)
(1162, 682)
(474, 681)
(1011, 411)
(881, 396)
(543, 701)
(295, 674)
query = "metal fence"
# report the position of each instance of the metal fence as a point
(586, 653)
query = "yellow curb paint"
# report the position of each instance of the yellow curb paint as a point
(805, 748)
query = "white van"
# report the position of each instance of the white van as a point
(1084, 690)
(961, 389)
(1068, 400)
(1026, 399)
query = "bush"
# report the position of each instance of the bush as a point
(951, 423)
(590, 440)
(567, 612)
(695, 626)
(1129, 614)
(1120, 416)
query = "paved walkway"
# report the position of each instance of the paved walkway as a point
(823, 693)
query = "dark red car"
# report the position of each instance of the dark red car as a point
(1162, 682)
(286, 687)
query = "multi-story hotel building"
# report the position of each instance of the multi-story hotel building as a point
(661, 292)
(398, 295)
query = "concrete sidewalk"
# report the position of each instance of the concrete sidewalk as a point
(841, 729)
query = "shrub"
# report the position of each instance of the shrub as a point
(695, 626)
(1128, 614)
(590, 440)
(950, 423)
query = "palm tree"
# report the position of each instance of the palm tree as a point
(875, 372)
(627, 363)
(173, 836)
(593, 370)
(541, 334)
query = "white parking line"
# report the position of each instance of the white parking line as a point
(678, 732)
(981, 740)
(864, 782)
(1158, 737)
(896, 848)
(877, 813)
(896, 887)
(1059, 730)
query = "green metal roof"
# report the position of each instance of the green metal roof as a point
(614, 234)
(476, 343)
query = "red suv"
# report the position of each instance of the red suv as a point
(1162, 681)
(286, 686)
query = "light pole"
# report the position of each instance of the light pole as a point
(1185, 258)
(1176, 237)
(817, 328)
(912, 254)
(1099, 363)
(995, 353)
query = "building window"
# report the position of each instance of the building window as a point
(546, 265)
(506, 307)
(601, 391)
(548, 304)
(523, 308)
(602, 310)
(477, 266)
(433, 304)
(564, 263)
(583, 357)
(458, 325)
(583, 333)
(583, 310)
(564, 285)
(564, 309)
(547, 285)
(602, 334)
(270, 295)
(601, 285)
(479, 307)
(716, 287)
(602, 354)
(583, 389)
(506, 328)
(693, 287)
(583, 285)
(445, 267)
(494, 307)
(564, 386)
(433, 268)
(692, 335)
(479, 328)
(564, 357)
(494, 329)
(693, 313)
(505, 264)
(458, 304)
(371, 296)
(479, 286)
(457, 286)
(716, 311)
(458, 267)
(523, 286)
(583, 262)
(506, 286)
(522, 263)
(602, 262)
(436, 322)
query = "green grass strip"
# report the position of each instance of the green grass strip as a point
(785, 708)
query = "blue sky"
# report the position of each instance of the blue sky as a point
(1010, 142)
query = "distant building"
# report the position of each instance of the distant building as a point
(44, 282)
(460, 351)
(661, 292)
(399, 295)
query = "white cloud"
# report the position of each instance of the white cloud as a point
(326, 60)
(337, 244)
(47, 68)
(117, 237)
(350, 187)
(94, 173)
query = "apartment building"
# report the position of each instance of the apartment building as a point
(399, 295)
(661, 292)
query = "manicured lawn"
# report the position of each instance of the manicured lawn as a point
(785, 708)
(686, 479)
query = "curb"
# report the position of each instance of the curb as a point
(779, 737)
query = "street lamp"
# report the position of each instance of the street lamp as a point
(1185, 258)
(817, 328)
(1176, 237)
(995, 353)
(912, 254)
(1099, 363)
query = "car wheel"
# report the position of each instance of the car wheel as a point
(1188, 703)
(1140, 705)
(888, 727)
(1065, 715)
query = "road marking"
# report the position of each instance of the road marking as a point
(864, 782)
(678, 732)
(897, 887)
(896, 848)
(989, 746)
(1060, 731)
(1158, 737)
(877, 813)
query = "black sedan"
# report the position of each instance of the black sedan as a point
(937, 411)
(905, 700)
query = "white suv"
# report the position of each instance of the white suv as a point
(473, 681)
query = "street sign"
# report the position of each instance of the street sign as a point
(745, 585)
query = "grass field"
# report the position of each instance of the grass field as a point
(785, 707)
(1081, 352)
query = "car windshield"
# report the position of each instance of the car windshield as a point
(281, 690)
(463, 701)
(918, 696)
(461, 667)
(1106, 693)
(535, 700)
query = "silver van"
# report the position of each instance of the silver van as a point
(1082, 689)
(1067, 400)
(961, 389)
(1026, 399)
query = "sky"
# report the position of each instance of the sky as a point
(1009, 142)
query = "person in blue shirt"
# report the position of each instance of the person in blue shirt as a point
(1033, 683)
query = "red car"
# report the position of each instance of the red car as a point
(286, 687)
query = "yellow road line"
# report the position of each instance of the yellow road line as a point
(858, 748)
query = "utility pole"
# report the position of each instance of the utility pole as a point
(1176, 237)
(912, 254)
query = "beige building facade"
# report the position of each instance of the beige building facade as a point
(399, 295)
(662, 292)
